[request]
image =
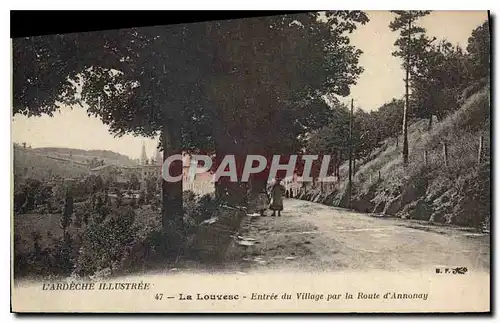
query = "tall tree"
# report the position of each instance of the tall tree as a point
(280, 103)
(390, 116)
(67, 210)
(440, 76)
(478, 47)
(409, 33)
(136, 80)
(332, 139)
(367, 133)
(219, 86)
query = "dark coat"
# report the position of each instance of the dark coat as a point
(277, 197)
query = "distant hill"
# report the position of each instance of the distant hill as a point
(65, 162)
(36, 165)
(86, 156)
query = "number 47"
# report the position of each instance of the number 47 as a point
(158, 297)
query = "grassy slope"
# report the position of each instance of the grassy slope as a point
(82, 156)
(38, 165)
(63, 162)
(457, 193)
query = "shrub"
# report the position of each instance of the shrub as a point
(104, 243)
(198, 209)
(113, 240)
(29, 194)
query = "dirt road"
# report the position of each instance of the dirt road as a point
(311, 236)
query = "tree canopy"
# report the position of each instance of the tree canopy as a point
(233, 86)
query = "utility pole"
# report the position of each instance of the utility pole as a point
(349, 186)
(407, 100)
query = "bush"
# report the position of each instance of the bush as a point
(198, 209)
(53, 260)
(30, 194)
(105, 241)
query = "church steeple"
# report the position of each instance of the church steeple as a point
(144, 157)
(159, 157)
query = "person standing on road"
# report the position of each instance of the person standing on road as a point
(262, 201)
(277, 197)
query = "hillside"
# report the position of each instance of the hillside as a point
(454, 193)
(65, 162)
(84, 156)
(37, 165)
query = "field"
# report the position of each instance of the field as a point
(39, 166)
(39, 163)
(84, 156)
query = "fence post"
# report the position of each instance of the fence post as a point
(425, 157)
(480, 152)
(445, 153)
(371, 179)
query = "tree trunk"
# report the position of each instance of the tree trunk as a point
(338, 164)
(349, 185)
(429, 128)
(172, 212)
(230, 193)
(407, 99)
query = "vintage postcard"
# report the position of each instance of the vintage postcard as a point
(312, 162)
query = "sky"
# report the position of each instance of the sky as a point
(381, 81)
(383, 77)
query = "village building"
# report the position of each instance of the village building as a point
(202, 183)
(152, 168)
(292, 184)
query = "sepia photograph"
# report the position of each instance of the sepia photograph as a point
(290, 162)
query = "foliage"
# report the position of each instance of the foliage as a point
(369, 131)
(160, 80)
(67, 210)
(411, 36)
(332, 138)
(56, 259)
(198, 209)
(30, 193)
(105, 241)
(457, 193)
(112, 239)
(278, 105)
(119, 197)
(142, 198)
(134, 182)
(94, 183)
(478, 47)
(391, 118)
(442, 76)
(438, 71)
